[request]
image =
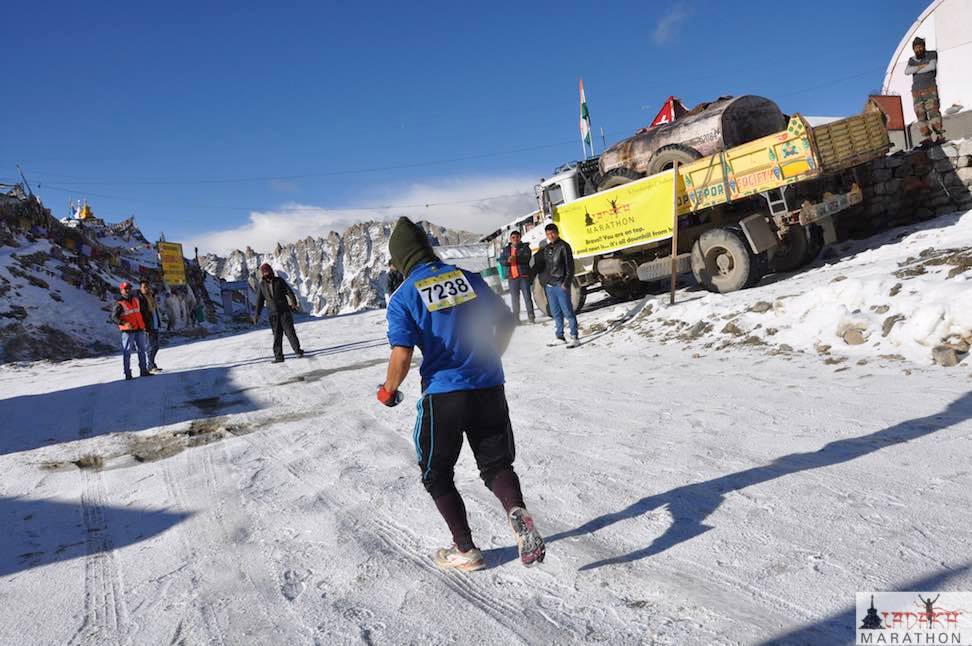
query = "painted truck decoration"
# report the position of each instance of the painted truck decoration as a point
(759, 207)
(762, 206)
(639, 212)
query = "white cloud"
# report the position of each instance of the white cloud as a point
(668, 25)
(455, 203)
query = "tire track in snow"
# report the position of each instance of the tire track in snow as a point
(406, 546)
(273, 604)
(105, 612)
(220, 561)
(189, 548)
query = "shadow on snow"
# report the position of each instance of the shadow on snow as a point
(41, 532)
(840, 627)
(33, 421)
(690, 505)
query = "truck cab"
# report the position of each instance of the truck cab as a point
(570, 182)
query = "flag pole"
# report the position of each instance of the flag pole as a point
(674, 230)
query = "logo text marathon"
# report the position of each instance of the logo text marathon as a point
(914, 618)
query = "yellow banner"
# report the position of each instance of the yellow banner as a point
(631, 214)
(173, 265)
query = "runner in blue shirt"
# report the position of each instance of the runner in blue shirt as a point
(462, 328)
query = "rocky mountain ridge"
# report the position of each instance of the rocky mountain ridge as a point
(336, 274)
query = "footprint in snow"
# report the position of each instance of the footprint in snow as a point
(292, 586)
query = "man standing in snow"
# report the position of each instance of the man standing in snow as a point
(516, 258)
(281, 303)
(127, 315)
(923, 67)
(462, 328)
(556, 268)
(152, 320)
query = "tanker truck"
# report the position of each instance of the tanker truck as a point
(756, 194)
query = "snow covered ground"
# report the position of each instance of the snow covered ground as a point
(689, 495)
(896, 296)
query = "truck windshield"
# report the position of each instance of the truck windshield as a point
(555, 195)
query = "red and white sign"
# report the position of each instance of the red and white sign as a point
(672, 110)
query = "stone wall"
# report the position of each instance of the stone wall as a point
(911, 186)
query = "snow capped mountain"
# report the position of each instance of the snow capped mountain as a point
(338, 274)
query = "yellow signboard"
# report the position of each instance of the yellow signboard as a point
(173, 265)
(631, 214)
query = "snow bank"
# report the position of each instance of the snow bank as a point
(899, 294)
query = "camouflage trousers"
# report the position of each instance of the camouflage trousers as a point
(927, 111)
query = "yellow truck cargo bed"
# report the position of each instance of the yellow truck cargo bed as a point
(794, 155)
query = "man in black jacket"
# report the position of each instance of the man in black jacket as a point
(150, 316)
(557, 275)
(516, 258)
(281, 302)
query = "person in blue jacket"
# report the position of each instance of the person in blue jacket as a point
(462, 328)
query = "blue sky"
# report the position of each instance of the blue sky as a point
(237, 124)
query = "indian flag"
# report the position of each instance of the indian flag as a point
(585, 119)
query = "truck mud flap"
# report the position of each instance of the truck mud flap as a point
(649, 272)
(758, 232)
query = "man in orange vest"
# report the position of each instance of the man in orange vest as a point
(127, 315)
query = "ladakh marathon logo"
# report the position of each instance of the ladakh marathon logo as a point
(914, 618)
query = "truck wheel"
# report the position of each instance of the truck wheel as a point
(792, 252)
(578, 296)
(625, 291)
(800, 248)
(540, 297)
(666, 156)
(615, 177)
(723, 262)
(815, 234)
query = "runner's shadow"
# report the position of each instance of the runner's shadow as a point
(691, 504)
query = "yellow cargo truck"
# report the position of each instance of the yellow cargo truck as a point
(759, 207)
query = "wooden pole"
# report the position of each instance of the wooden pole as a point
(674, 230)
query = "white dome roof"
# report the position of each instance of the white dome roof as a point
(945, 27)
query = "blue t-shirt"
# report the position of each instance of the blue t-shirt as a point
(451, 315)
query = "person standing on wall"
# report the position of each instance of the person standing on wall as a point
(281, 303)
(556, 268)
(152, 320)
(923, 68)
(516, 258)
(462, 328)
(127, 315)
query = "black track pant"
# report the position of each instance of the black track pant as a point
(483, 416)
(283, 323)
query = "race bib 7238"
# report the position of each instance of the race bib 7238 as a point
(445, 291)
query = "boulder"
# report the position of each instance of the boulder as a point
(761, 307)
(945, 356)
(890, 322)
